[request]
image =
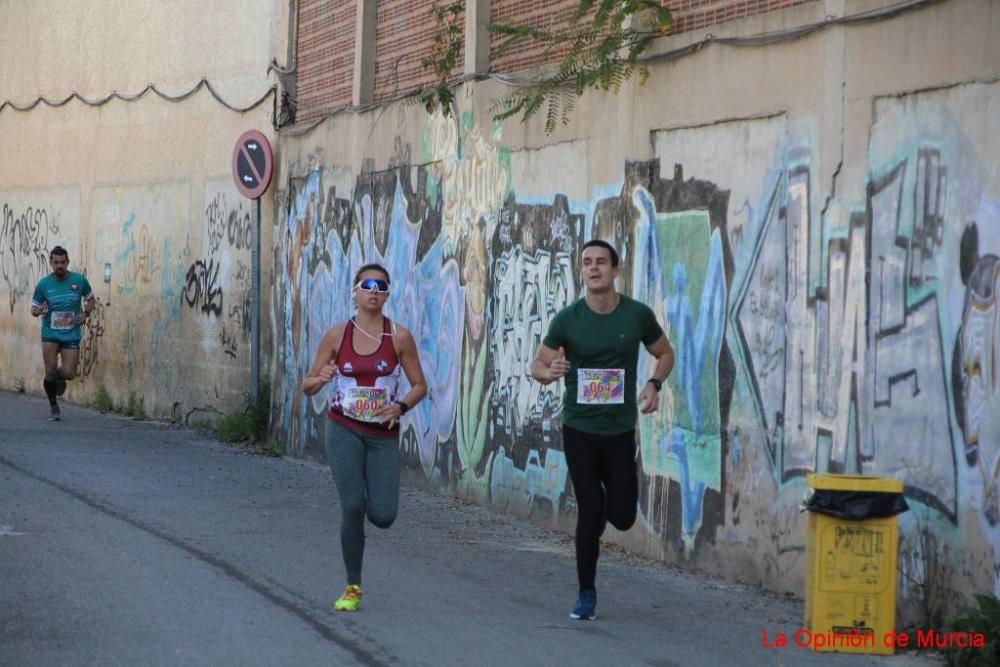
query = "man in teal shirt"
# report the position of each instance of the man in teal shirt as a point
(57, 300)
(594, 344)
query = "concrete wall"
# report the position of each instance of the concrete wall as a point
(141, 186)
(815, 222)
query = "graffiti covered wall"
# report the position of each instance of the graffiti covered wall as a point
(31, 222)
(137, 188)
(173, 320)
(828, 282)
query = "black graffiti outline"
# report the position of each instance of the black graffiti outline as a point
(24, 236)
(230, 345)
(200, 287)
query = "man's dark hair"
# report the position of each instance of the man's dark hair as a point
(58, 250)
(602, 244)
(372, 267)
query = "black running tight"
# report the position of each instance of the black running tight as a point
(606, 483)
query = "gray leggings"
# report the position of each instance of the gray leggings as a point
(366, 470)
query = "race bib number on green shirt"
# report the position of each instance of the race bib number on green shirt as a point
(362, 403)
(600, 386)
(63, 320)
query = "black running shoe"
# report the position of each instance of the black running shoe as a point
(54, 413)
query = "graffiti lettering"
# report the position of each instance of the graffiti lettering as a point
(231, 224)
(473, 183)
(528, 291)
(847, 348)
(215, 222)
(93, 332)
(239, 228)
(200, 290)
(142, 261)
(24, 247)
(229, 343)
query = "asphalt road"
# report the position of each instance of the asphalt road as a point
(136, 543)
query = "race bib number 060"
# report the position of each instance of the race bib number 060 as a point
(63, 320)
(362, 403)
(600, 386)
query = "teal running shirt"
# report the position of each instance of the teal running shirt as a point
(62, 298)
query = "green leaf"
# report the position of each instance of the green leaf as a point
(582, 9)
(596, 51)
(603, 12)
(988, 604)
(664, 18)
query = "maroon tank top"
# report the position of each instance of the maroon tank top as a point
(365, 382)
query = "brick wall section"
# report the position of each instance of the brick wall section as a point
(542, 15)
(325, 56)
(404, 32)
(688, 15)
(695, 14)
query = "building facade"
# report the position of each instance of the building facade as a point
(807, 196)
(132, 176)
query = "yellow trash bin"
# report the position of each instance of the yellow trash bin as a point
(852, 543)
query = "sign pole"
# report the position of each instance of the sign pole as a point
(253, 166)
(255, 304)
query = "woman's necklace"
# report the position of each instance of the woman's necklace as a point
(365, 332)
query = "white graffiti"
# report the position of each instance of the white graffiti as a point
(528, 292)
(855, 396)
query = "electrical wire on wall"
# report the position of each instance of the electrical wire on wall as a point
(288, 103)
(126, 97)
(762, 39)
(768, 38)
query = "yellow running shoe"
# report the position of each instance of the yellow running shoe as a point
(350, 600)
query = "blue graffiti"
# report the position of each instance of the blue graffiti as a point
(697, 339)
(122, 257)
(168, 314)
(692, 492)
(544, 477)
(426, 298)
(696, 345)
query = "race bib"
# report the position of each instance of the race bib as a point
(362, 403)
(601, 386)
(62, 320)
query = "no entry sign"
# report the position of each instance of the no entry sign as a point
(253, 164)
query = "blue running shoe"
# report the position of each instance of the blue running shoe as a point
(585, 609)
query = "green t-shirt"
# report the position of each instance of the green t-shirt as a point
(607, 343)
(63, 300)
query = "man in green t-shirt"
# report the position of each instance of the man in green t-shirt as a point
(594, 344)
(57, 300)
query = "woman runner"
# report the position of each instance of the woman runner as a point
(365, 354)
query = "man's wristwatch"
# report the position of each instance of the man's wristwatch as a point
(657, 385)
(403, 407)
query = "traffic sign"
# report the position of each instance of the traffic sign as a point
(253, 164)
